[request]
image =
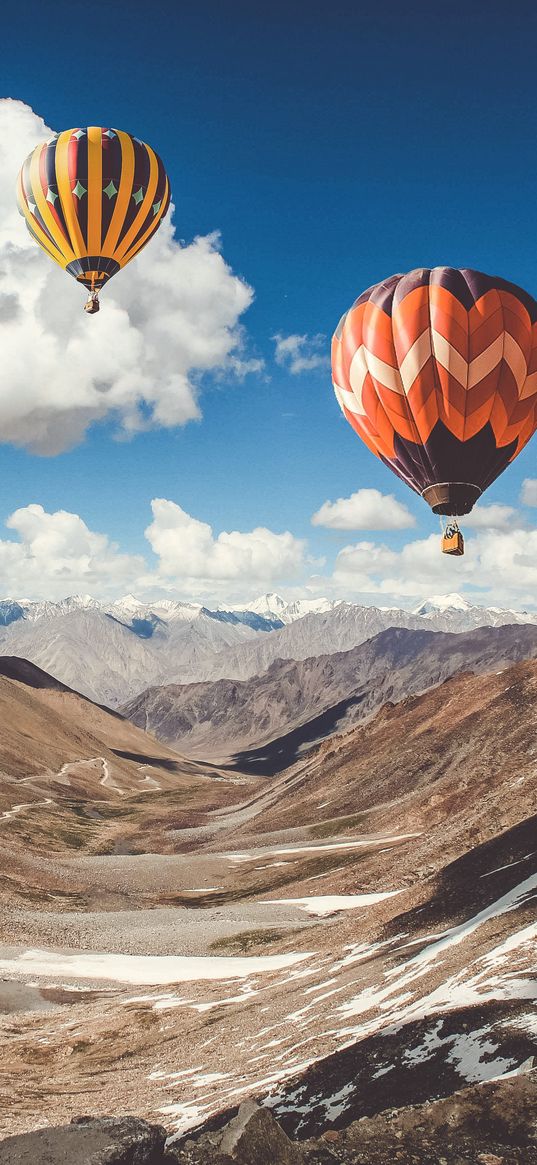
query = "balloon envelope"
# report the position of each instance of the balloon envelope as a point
(92, 198)
(436, 371)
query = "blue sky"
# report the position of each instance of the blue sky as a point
(331, 145)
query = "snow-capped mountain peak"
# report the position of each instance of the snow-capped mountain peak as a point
(438, 604)
(79, 603)
(129, 604)
(273, 606)
(301, 607)
(270, 605)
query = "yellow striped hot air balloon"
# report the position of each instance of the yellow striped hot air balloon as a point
(92, 198)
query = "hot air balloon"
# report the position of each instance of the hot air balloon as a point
(92, 198)
(436, 371)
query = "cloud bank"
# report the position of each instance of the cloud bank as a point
(187, 549)
(492, 517)
(367, 509)
(497, 571)
(172, 316)
(55, 554)
(51, 555)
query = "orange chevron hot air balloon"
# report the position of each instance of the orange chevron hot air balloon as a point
(92, 198)
(437, 373)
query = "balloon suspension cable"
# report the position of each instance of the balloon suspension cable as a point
(452, 527)
(449, 526)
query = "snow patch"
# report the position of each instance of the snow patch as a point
(144, 969)
(330, 903)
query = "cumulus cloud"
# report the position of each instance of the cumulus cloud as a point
(171, 317)
(496, 570)
(187, 548)
(367, 509)
(493, 517)
(528, 496)
(51, 555)
(57, 554)
(301, 353)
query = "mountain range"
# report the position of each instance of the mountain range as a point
(110, 652)
(266, 722)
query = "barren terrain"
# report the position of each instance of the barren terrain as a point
(176, 937)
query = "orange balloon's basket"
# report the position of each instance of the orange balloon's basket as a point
(452, 541)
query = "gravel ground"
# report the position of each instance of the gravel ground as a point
(16, 997)
(161, 931)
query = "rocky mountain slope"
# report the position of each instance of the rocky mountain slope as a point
(46, 725)
(64, 763)
(111, 652)
(355, 936)
(495, 1120)
(256, 721)
(348, 625)
(107, 658)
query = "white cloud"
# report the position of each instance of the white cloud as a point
(501, 568)
(528, 496)
(187, 549)
(51, 555)
(57, 554)
(367, 509)
(170, 317)
(492, 517)
(301, 353)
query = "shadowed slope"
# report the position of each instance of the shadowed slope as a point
(264, 723)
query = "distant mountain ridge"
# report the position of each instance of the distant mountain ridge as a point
(130, 611)
(264, 722)
(111, 651)
(346, 625)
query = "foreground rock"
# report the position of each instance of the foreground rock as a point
(253, 1137)
(109, 1141)
(488, 1124)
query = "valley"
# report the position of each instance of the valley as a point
(178, 936)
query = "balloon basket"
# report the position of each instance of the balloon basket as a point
(92, 304)
(452, 541)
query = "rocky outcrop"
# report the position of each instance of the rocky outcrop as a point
(88, 1141)
(252, 1137)
(488, 1124)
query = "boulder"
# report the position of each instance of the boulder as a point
(88, 1141)
(252, 1137)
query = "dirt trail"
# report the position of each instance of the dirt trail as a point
(14, 812)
